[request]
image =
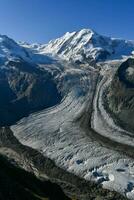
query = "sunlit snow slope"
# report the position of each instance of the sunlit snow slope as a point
(86, 46)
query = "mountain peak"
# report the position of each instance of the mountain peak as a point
(87, 30)
(10, 49)
(88, 45)
(5, 39)
(82, 31)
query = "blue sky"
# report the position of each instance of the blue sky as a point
(42, 20)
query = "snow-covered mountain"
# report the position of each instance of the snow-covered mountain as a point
(87, 45)
(22, 81)
(84, 46)
(11, 50)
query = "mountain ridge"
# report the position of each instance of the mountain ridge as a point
(84, 46)
(87, 45)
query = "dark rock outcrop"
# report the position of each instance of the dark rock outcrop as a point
(25, 88)
(120, 95)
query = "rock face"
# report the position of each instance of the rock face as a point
(24, 86)
(120, 95)
(24, 89)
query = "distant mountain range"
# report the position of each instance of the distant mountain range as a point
(82, 46)
(85, 46)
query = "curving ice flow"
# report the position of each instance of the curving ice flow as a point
(63, 132)
(101, 120)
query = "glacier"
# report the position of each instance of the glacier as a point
(63, 133)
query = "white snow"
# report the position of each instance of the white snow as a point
(10, 50)
(72, 46)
